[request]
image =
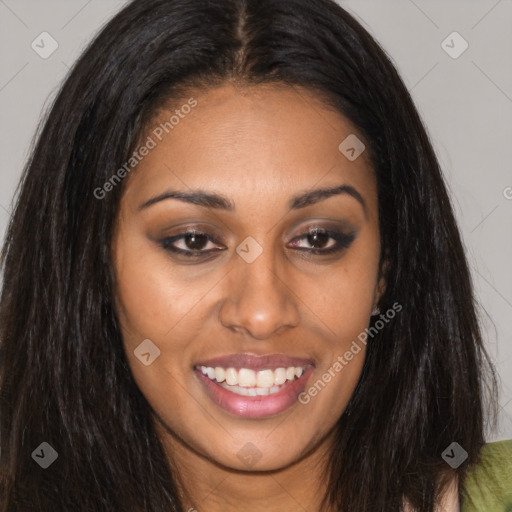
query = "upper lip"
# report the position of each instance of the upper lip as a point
(255, 362)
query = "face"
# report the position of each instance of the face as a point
(239, 283)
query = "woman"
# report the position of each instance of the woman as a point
(233, 279)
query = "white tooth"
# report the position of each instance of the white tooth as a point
(265, 378)
(220, 374)
(210, 372)
(203, 369)
(246, 377)
(242, 391)
(231, 377)
(251, 391)
(299, 371)
(290, 373)
(279, 376)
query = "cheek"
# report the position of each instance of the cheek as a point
(343, 304)
(327, 395)
(153, 296)
(154, 305)
(346, 295)
(342, 350)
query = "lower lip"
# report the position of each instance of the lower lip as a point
(255, 406)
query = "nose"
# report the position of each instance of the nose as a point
(260, 301)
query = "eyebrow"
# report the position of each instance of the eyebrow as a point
(220, 202)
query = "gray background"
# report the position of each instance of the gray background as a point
(465, 102)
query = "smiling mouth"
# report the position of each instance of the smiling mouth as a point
(251, 383)
(254, 386)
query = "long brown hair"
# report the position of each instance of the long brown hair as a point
(65, 379)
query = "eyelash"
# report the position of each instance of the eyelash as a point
(343, 241)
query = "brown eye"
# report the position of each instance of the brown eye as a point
(318, 238)
(193, 243)
(196, 241)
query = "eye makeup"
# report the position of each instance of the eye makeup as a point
(197, 243)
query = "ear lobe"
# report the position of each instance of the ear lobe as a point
(380, 288)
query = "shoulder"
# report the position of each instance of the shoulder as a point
(488, 486)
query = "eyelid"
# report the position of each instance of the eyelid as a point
(342, 226)
(208, 230)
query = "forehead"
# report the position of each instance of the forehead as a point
(247, 142)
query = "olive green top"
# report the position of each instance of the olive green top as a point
(489, 483)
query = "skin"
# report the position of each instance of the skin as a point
(258, 146)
